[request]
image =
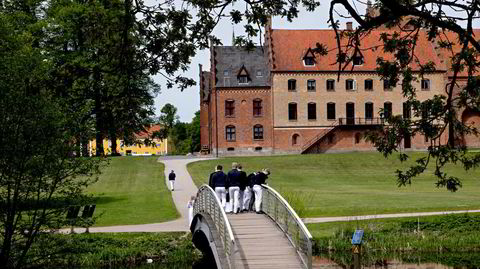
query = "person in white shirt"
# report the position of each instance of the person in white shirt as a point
(190, 210)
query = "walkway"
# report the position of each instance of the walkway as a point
(261, 244)
(385, 216)
(184, 188)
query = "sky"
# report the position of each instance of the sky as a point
(188, 101)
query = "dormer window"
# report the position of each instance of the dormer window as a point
(358, 60)
(243, 76)
(309, 58)
(242, 80)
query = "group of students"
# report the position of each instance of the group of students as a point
(243, 190)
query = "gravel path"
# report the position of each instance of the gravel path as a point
(385, 216)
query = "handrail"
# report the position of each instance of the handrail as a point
(319, 136)
(361, 121)
(208, 202)
(280, 211)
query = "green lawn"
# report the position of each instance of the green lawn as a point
(352, 183)
(131, 190)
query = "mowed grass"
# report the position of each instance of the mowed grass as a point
(348, 184)
(132, 190)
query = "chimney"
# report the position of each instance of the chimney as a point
(349, 26)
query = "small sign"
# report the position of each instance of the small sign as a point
(357, 237)
(356, 249)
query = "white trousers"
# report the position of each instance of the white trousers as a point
(222, 195)
(247, 197)
(257, 189)
(172, 184)
(234, 193)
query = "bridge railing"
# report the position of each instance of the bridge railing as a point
(278, 209)
(208, 202)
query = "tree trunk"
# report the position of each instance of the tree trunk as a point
(113, 138)
(98, 116)
(84, 148)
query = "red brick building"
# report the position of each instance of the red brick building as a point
(282, 98)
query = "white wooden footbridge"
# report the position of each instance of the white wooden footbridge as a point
(276, 239)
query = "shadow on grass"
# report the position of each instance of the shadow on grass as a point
(101, 200)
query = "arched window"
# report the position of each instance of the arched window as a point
(331, 85)
(295, 139)
(369, 85)
(311, 85)
(230, 133)
(292, 85)
(292, 111)
(349, 84)
(312, 111)
(330, 111)
(357, 138)
(425, 84)
(387, 109)
(229, 108)
(257, 107)
(258, 132)
(368, 110)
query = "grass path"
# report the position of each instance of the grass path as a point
(352, 184)
(131, 190)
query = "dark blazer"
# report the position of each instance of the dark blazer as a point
(234, 178)
(219, 179)
(171, 176)
(260, 178)
(243, 180)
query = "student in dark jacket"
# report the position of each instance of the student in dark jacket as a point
(171, 179)
(234, 188)
(248, 197)
(219, 183)
(259, 179)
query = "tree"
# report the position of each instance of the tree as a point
(194, 133)
(168, 118)
(39, 175)
(435, 117)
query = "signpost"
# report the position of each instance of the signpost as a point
(357, 248)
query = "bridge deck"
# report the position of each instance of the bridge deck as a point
(261, 243)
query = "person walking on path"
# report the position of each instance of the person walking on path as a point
(219, 183)
(259, 179)
(190, 210)
(243, 186)
(234, 188)
(171, 179)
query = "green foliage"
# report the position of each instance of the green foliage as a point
(39, 175)
(115, 249)
(441, 239)
(185, 137)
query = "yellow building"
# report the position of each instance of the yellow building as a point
(159, 147)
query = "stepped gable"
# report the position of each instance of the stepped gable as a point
(232, 61)
(205, 86)
(291, 47)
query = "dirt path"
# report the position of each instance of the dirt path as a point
(385, 216)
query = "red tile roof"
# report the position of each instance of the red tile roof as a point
(290, 46)
(149, 132)
(457, 46)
